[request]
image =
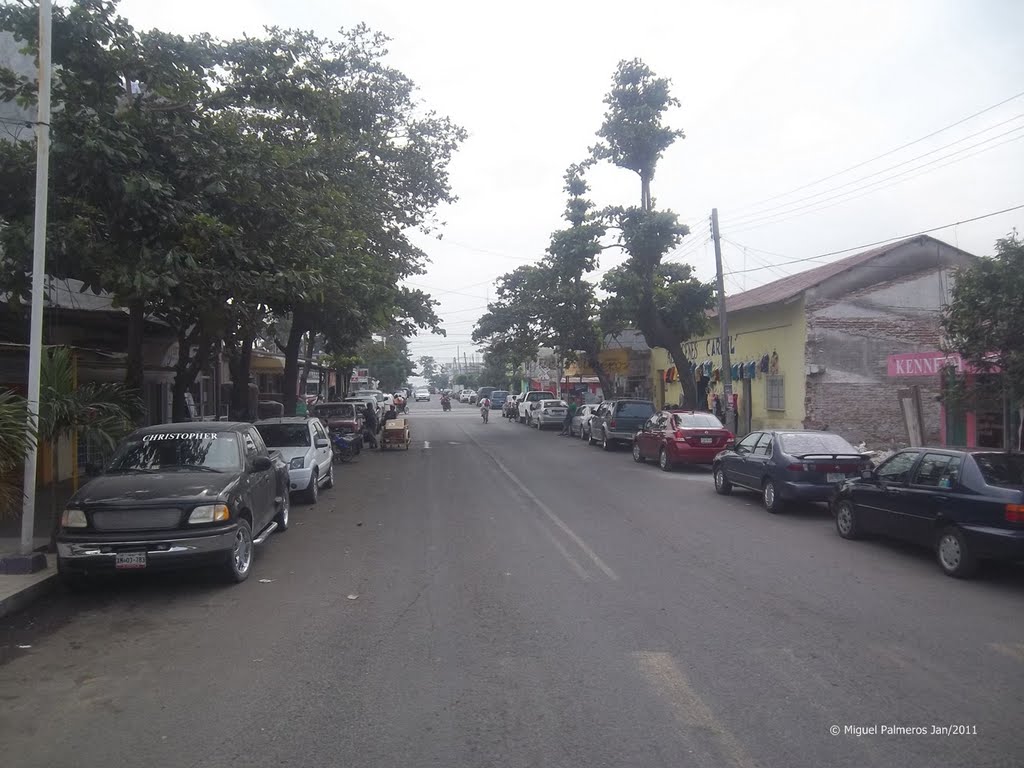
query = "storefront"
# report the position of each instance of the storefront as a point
(977, 415)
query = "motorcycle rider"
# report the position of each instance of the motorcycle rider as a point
(446, 402)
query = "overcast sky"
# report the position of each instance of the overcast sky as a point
(775, 96)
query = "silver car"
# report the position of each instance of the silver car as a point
(305, 448)
(580, 423)
(548, 412)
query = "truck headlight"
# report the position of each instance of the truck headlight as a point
(73, 518)
(297, 462)
(210, 513)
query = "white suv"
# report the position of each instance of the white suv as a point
(467, 396)
(529, 400)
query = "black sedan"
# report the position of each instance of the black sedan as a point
(788, 465)
(966, 505)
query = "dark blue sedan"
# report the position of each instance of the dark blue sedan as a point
(788, 465)
(966, 505)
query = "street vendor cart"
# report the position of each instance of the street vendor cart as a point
(396, 434)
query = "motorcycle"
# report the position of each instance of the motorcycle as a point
(446, 404)
(344, 446)
(484, 413)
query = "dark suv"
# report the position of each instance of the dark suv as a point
(616, 421)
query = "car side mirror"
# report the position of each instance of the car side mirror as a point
(323, 442)
(93, 470)
(867, 474)
(261, 464)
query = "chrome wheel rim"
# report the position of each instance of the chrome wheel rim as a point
(719, 479)
(844, 517)
(663, 459)
(769, 494)
(242, 553)
(314, 488)
(949, 552)
(285, 510)
(636, 451)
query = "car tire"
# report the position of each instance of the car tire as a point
(722, 484)
(590, 437)
(770, 496)
(239, 563)
(330, 478)
(664, 461)
(954, 554)
(583, 434)
(637, 456)
(847, 525)
(606, 444)
(283, 514)
(313, 491)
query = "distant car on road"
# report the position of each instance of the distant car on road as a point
(467, 396)
(305, 448)
(547, 413)
(675, 437)
(788, 465)
(617, 421)
(174, 496)
(966, 505)
(422, 395)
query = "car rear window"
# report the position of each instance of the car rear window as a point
(634, 409)
(284, 435)
(1005, 469)
(705, 420)
(803, 443)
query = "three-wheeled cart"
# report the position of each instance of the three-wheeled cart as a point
(395, 434)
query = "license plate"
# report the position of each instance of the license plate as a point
(835, 477)
(130, 560)
(707, 440)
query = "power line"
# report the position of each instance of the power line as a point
(889, 239)
(742, 224)
(884, 154)
(758, 215)
(893, 179)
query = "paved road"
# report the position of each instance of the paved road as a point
(525, 600)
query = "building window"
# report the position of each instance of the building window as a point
(776, 393)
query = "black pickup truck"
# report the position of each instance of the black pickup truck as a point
(176, 495)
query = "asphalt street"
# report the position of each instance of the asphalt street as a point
(499, 597)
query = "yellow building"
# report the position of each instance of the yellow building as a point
(812, 350)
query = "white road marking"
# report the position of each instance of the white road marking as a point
(580, 570)
(544, 508)
(690, 711)
(426, 443)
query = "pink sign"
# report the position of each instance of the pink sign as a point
(922, 363)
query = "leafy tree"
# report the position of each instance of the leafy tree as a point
(15, 440)
(984, 321)
(664, 301)
(428, 367)
(388, 361)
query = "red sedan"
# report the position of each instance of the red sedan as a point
(680, 437)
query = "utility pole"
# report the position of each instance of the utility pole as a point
(723, 320)
(27, 561)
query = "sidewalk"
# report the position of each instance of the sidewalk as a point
(18, 591)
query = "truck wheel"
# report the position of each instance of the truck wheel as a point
(284, 513)
(239, 563)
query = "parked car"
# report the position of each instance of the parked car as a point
(617, 421)
(422, 395)
(788, 465)
(529, 399)
(306, 448)
(548, 412)
(365, 400)
(966, 505)
(580, 423)
(498, 399)
(173, 496)
(676, 437)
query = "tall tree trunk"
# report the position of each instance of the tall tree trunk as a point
(240, 365)
(291, 364)
(186, 370)
(607, 386)
(308, 362)
(133, 374)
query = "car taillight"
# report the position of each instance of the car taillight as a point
(1014, 513)
(800, 467)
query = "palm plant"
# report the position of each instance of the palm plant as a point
(15, 439)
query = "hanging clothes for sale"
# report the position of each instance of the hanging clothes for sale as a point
(764, 364)
(774, 366)
(735, 371)
(751, 370)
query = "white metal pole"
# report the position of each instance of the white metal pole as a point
(35, 348)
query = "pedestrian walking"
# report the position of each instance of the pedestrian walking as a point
(370, 425)
(567, 422)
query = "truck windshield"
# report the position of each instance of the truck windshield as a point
(179, 450)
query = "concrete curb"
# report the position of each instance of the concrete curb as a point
(46, 584)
